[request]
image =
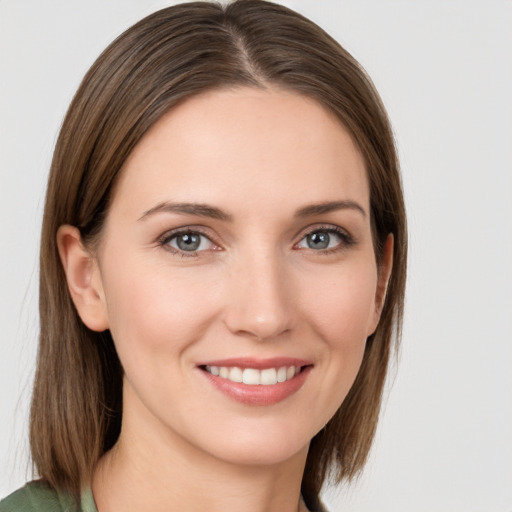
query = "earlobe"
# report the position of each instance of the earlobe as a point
(384, 273)
(83, 278)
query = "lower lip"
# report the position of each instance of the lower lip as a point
(259, 394)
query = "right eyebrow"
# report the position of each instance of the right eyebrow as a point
(330, 206)
(198, 209)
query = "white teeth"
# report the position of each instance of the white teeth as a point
(281, 374)
(251, 376)
(254, 377)
(214, 370)
(268, 377)
(235, 374)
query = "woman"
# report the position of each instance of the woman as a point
(222, 270)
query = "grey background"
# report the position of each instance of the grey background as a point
(444, 70)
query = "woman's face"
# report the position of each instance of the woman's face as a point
(238, 247)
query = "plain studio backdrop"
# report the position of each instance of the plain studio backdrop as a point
(444, 70)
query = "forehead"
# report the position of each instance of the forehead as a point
(247, 147)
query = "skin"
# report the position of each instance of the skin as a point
(254, 289)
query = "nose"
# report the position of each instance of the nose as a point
(259, 304)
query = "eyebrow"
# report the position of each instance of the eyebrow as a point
(199, 209)
(330, 206)
(212, 212)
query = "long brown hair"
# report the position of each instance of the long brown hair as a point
(167, 57)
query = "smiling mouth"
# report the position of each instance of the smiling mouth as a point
(254, 376)
(259, 382)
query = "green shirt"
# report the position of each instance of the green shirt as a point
(38, 497)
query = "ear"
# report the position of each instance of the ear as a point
(383, 275)
(83, 278)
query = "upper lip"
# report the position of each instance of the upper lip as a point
(257, 363)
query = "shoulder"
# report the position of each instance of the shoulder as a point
(37, 497)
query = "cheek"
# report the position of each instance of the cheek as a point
(156, 309)
(343, 306)
(341, 313)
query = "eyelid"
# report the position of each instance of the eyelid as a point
(163, 240)
(347, 238)
(322, 226)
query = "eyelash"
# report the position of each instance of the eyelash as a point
(347, 240)
(167, 237)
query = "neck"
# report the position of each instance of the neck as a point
(157, 470)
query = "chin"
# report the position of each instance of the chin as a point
(261, 446)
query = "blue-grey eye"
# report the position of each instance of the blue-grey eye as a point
(320, 240)
(190, 242)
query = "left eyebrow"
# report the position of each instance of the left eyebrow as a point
(199, 209)
(330, 206)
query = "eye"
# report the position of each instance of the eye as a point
(188, 241)
(325, 239)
